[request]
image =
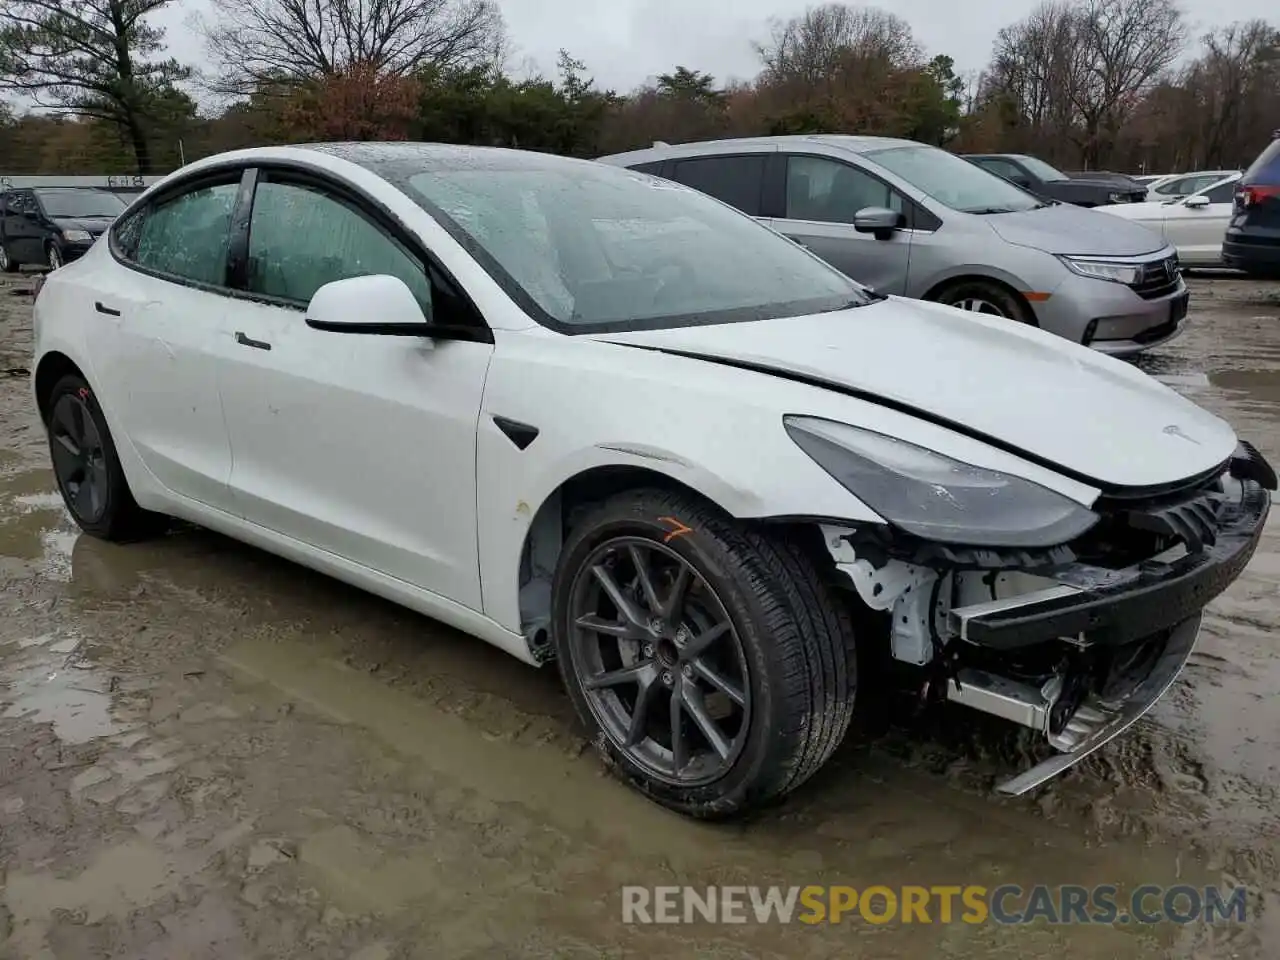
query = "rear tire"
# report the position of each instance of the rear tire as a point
(785, 646)
(87, 467)
(991, 299)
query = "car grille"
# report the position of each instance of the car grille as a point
(1159, 278)
(1193, 521)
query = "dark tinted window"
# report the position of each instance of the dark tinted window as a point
(301, 238)
(832, 192)
(653, 166)
(1002, 168)
(187, 236)
(1222, 193)
(735, 180)
(74, 203)
(1266, 169)
(20, 202)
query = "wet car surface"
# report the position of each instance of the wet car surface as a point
(209, 752)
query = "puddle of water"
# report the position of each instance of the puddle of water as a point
(1262, 386)
(571, 790)
(46, 681)
(75, 701)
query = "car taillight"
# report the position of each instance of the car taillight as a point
(1253, 196)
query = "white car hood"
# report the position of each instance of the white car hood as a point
(1090, 416)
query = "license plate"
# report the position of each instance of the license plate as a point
(1178, 309)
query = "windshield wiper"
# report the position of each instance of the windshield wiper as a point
(980, 211)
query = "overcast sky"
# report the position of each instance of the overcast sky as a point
(624, 42)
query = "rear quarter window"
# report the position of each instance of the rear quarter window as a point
(1266, 169)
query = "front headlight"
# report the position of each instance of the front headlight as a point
(1125, 273)
(937, 498)
(76, 236)
(1117, 198)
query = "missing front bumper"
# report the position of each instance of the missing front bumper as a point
(1097, 721)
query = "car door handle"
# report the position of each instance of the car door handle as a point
(256, 344)
(103, 308)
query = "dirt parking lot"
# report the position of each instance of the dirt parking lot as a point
(206, 752)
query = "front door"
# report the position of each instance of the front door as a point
(823, 194)
(361, 445)
(153, 333)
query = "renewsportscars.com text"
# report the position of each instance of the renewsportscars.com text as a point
(1006, 904)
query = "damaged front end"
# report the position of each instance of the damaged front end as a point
(1076, 641)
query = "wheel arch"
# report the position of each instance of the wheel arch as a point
(1004, 284)
(554, 516)
(53, 366)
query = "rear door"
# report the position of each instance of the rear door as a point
(1197, 231)
(154, 329)
(822, 196)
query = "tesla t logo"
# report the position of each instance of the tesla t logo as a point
(1174, 430)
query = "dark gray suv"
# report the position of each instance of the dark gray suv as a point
(1252, 243)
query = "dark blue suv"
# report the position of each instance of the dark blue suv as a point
(1252, 243)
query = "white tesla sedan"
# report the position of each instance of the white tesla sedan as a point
(1195, 224)
(595, 417)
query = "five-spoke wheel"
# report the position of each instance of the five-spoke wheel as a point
(660, 660)
(79, 460)
(712, 662)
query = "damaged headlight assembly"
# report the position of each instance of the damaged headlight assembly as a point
(935, 497)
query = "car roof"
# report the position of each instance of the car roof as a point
(849, 142)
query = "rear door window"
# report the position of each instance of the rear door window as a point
(736, 180)
(1222, 193)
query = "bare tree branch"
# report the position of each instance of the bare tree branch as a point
(264, 42)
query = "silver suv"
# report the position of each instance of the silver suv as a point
(913, 220)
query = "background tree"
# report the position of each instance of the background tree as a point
(263, 42)
(92, 59)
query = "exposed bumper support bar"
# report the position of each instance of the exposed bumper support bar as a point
(1096, 722)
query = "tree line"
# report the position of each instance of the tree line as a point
(1085, 84)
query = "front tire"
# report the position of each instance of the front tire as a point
(992, 299)
(713, 664)
(87, 467)
(55, 257)
(7, 263)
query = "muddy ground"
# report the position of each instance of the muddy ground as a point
(206, 752)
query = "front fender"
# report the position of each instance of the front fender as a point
(602, 405)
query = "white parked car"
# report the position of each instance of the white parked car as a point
(1195, 225)
(1175, 185)
(593, 416)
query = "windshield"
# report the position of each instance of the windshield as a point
(80, 203)
(1042, 170)
(585, 247)
(959, 184)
